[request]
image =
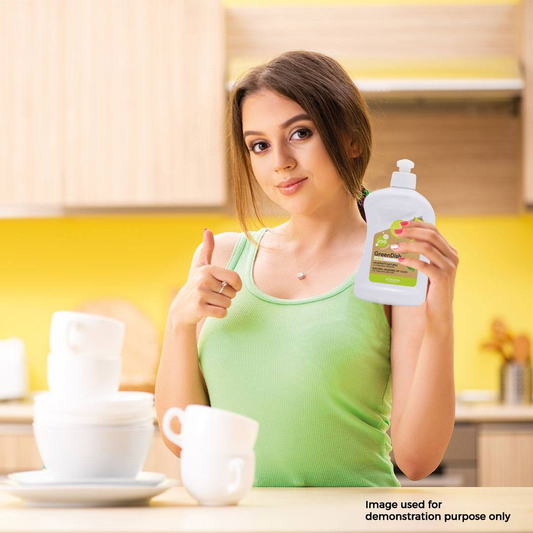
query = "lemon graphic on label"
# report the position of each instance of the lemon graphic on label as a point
(395, 225)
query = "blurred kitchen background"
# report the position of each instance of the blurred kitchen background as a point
(112, 161)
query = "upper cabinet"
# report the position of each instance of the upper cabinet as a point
(120, 104)
(31, 103)
(526, 57)
(112, 104)
(448, 85)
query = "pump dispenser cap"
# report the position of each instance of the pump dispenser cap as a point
(404, 178)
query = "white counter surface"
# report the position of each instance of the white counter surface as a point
(335, 510)
(20, 412)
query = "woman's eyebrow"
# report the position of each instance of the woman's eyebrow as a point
(303, 116)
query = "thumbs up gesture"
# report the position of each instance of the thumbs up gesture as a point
(203, 294)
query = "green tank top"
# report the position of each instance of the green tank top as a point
(314, 372)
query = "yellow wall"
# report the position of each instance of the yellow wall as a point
(53, 264)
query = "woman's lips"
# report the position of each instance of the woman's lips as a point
(293, 188)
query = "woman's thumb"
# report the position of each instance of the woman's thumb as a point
(207, 248)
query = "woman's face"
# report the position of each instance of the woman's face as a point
(281, 149)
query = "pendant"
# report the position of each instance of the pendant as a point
(300, 275)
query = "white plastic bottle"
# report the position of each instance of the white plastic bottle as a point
(381, 278)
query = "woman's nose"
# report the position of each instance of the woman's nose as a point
(282, 159)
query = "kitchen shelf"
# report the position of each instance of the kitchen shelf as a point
(460, 78)
(450, 88)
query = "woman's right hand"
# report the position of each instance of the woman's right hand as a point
(199, 297)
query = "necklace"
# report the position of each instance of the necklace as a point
(300, 275)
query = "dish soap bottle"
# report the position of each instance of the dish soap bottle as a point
(381, 278)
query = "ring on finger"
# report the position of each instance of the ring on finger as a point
(224, 283)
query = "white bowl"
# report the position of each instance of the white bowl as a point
(94, 452)
(80, 377)
(124, 408)
(73, 422)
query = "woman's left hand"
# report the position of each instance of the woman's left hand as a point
(442, 270)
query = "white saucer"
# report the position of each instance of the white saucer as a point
(36, 478)
(85, 495)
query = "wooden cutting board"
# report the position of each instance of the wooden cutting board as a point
(142, 345)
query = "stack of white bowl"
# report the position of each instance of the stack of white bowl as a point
(84, 427)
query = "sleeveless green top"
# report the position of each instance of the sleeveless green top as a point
(314, 372)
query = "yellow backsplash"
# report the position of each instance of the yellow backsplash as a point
(59, 263)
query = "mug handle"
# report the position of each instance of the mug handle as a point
(236, 466)
(72, 336)
(176, 438)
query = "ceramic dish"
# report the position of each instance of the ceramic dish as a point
(85, 495)
(44, 477)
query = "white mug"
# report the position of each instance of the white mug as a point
(82, 333)
(217, 479)
(211, 429)
(83, 377)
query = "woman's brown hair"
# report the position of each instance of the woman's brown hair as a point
(325, 91)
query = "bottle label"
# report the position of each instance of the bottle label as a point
(385, 267)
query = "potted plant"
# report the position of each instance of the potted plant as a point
(515, 371)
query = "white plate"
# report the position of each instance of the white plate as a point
(85, 495)
(44, 477)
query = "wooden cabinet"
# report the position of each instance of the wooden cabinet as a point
(457, 100)
(462, 152)
(18, 452)
(112, 104)
(505, 455)
(527, 106)
(115, 104)
(485, 455)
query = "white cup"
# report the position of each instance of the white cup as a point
(211, 429)
(217, 479)
(74, 333)
(83, 377)
(94, 451)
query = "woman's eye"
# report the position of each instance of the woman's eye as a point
(307, 132)
(252, 149)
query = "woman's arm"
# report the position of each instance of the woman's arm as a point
(423, 389)
(179, 380)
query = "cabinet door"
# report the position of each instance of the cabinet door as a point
(112, 104)
(30, 104)
(144, 100)
(18, 451)
(505, 453)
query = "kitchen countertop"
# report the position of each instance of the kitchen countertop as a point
(311, 509)
(21, 412)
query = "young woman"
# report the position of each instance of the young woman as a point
(267, 324)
